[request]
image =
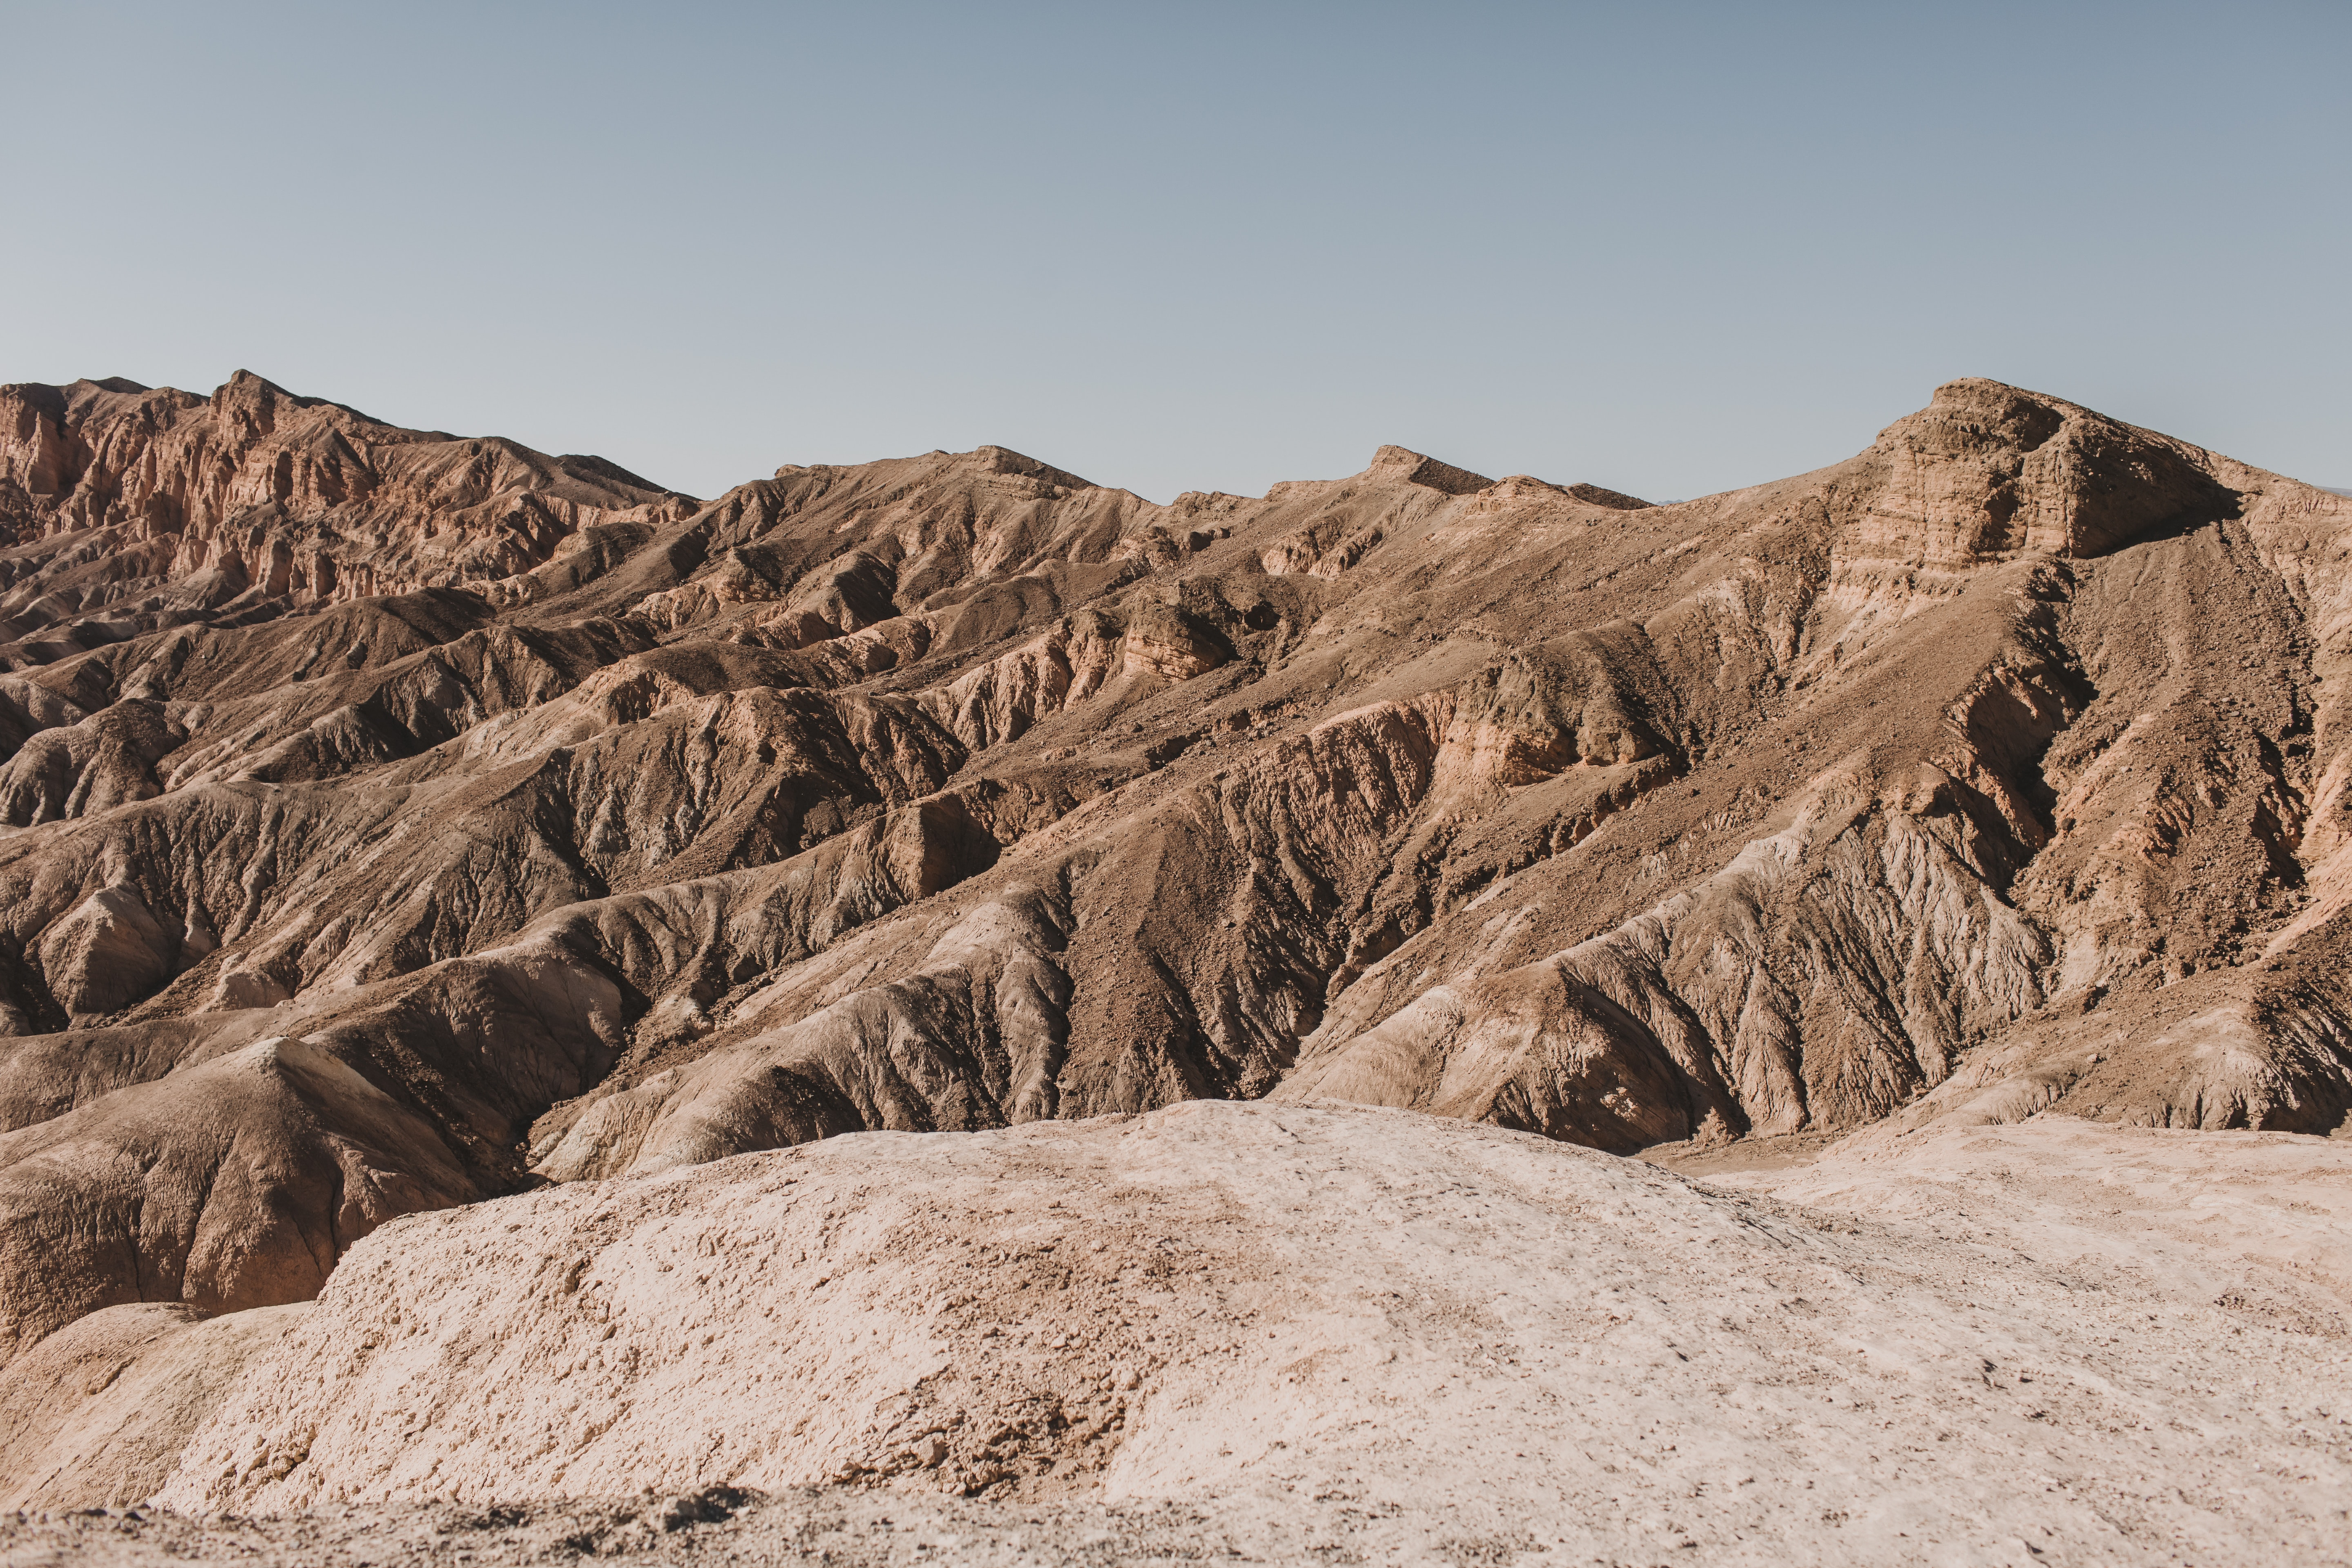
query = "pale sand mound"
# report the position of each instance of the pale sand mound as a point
(1394, 1330)
(2258, 1223)
(96, 1414)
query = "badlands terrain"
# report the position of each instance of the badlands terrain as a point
(518, 987)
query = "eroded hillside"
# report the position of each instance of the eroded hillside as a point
(395, 820)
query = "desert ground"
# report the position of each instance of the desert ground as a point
(1279, 1333)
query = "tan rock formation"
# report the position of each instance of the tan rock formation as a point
(127, 503)
(1391, 1332)
(291, 1158)
(97, 1416)
(2000, 767)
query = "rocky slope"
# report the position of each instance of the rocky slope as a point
(396, 821)
(1310, 1332)
(125, 508)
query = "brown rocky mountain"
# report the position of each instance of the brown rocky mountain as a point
(130, 509)
(395, 821)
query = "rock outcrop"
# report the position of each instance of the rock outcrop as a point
(125, 508)
(395, 822)
(1397, 1334)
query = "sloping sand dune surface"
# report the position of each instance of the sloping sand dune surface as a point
(1400, 1336)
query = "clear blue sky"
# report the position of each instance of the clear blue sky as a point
(1670, 247)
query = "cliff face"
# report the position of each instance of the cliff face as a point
(2002, 766)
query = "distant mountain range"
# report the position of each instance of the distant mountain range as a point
(558, 825)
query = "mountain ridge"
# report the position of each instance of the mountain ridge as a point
(1996, 769)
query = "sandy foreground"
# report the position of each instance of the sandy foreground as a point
(1271, 1332)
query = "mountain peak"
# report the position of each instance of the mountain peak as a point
(1005, 461)
(1402, 463)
